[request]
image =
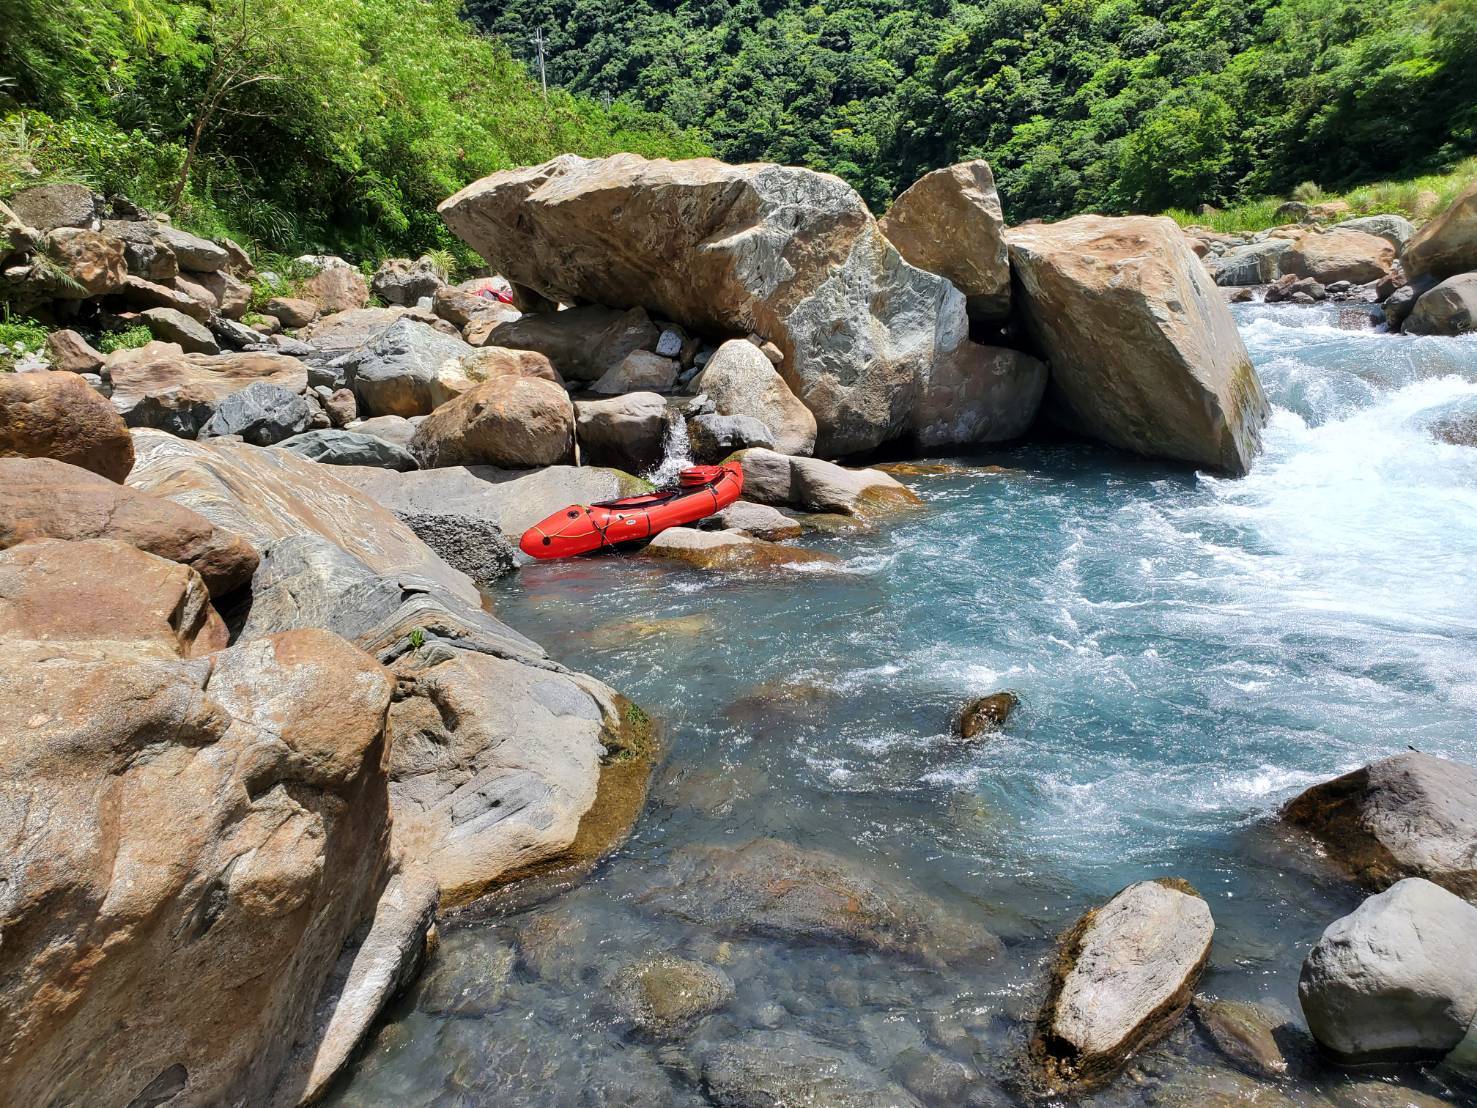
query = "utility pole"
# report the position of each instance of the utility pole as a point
(538, 41)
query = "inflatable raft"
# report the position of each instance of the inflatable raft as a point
(581, 528)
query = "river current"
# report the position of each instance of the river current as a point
(1189, 653)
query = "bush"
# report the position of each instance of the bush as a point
(18, 337)
(130, 338)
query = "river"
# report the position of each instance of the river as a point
(1189, 653)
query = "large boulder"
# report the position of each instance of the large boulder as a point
(1124, 976)
(1255, 263)
(1396, 980)
(136, 292)
(148, 256)
(94, 263)
(345, 331)
(42, 498)
(584, 343)
(1394, 229)
(729, 550)
(1144, 353)
(262, 414)
(741, 381)
(337, 288)
(159, 385)
(57, 415)
(47, 207)
(626, 432)
(767, 1069)
(511, 422)
(814, 485)
(1339, 255)
(195, 254)
(404, 282)
(1447, 245)
(1448, 309)
(711, 437)
(348, 448)
(174, 326)
(1412, 815)
(979, 394)
(786, 252)
(394, 429)
(639, 371)
(459, 375)
(396, 373)
(769, 887)
(101, 589)
(949, 222)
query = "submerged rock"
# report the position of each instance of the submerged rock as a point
(729, 550)
(663, 994)
(56, 415)
(1124, 976)
(988, 713)
(813, 485)
(1243, 1032)
(1144, 353)
(774, 888)
(1413, 815)
(468, 976)
(1396, 980)
(765, 1069)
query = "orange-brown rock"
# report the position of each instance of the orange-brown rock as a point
(41, 498)
(1447, 245)
(459, 375)
(509, 421)
(1339, 255)
(57, 415)
(159, 385)
(93, 261)
(337, 288)
(986, 714)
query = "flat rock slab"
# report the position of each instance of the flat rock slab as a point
(1124, 976)
(729, 550)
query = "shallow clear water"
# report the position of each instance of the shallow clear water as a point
(1189, 653)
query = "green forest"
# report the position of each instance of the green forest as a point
(1112, 105)
(331, 125)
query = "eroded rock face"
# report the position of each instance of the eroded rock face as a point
(788, 253)
(506, 421)
(56, 415)
(949, 222)
(203, 837)
(1396, 980)
(42, 498)
(94, 262)
(741, 381)
(1124, 976)
(1413, 815)
(159, 385)
(979, 394)
(770, 887)
(769, 1068)
(1447, 245)
(1144, 353)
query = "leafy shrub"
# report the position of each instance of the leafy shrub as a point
(1308, 192)
(129, 338)
(18, 337)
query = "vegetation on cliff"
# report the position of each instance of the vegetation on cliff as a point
(336, 125)
(1110, 105)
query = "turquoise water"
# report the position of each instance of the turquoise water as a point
(1189, 653)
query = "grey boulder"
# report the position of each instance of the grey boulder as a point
(1448, 309)
(741, 381)
(195, 254)
(348, 448)
(172, 325)
(714, 437)
(261, 413)
(1395, 980)
(626, 432)
(396, 374)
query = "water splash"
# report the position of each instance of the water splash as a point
(676, 450)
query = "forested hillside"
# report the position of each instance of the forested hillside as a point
(335, 124)
(1106, 104)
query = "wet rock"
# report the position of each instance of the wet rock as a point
(544, 942)
(661, 995)
(67, 592)
(337, 288)
(1124, 976)
(813, 485)
(1396, 980)
(979, 394)
(740, 381)
(949, 222)
(1413, 815)
(1144, 354)
(987, 714)
(728, 550)
(292, 312)
(1448, 309)
(171, 326)
(57, 415)
(639, 371)
(512, 422)
(759, 520)
(1339, 255)
(932, 1077)
(626, 432)
(71, 353)
(1243, 1032)
(467, 977)
(159, 385)
(348, 448)
(712, 437)
(1447, 245)
(396, 373)
(93, 263)
(42, 498)
(195, 254)
(47, 207)
(261, 414)
(763, 1069)
(403, 282)
(716, 247)
(585, 343)
(774, 888)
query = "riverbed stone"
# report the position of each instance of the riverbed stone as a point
(262, 414)
(662, 994)
(638, 371)
(1144, 353)
(584, 343)
(345, 331)
(1393, 228)
(513, 422)
(57, 415)
(729, 550)
(348, 448)
(159, 385)
(1255, 263)
(987, 714)
(404, 282)
(717, 247)
(1395, 980)
(815, 485)
(468, 976)
(1124, 975)
(1411, 815)
(1245, 1033)
(759, 520)
(1339, 255)
(765, 1069)
(173, 326)
(396, 373)
(711, 437)
(195, 254)
(1448, 309)
(626, 432)
(741, 381)
(138, 293)
(949, 222)
(459, 375)
(770, 887)
(43, 498)
(1447, 244)
(337, 288)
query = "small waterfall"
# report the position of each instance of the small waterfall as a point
(676, 450)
